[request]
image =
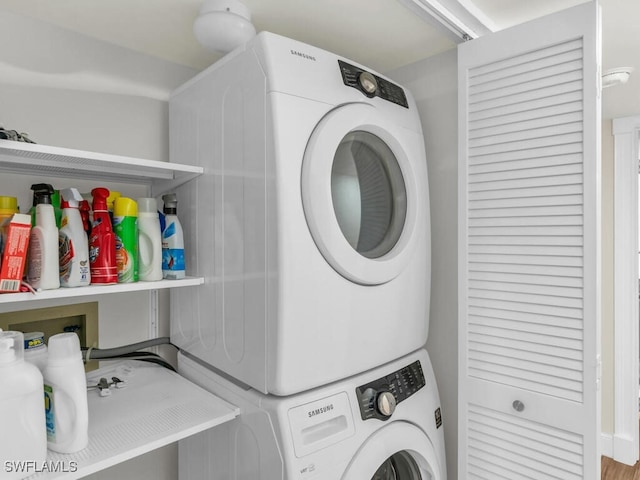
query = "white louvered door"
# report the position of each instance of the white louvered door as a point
(529, 222)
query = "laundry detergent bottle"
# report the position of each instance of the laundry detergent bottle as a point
(173, 266)
(149, 240)
(125, 226)
(24, 436)
(43, 272)
(73, 243)
(65, 395)
(102, 242)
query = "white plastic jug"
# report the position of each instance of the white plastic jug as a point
(65, 393)
(23, 437)
(149, 240)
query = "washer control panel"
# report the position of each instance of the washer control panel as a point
(378, 399)
(371, 85)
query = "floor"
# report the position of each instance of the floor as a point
(612, 470)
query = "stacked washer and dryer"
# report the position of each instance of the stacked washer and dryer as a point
(311, 228)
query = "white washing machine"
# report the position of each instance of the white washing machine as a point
(384, 424)
(311, 220)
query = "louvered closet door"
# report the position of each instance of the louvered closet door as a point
(529, 251)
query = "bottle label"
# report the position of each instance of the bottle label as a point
(35, 259)
(102, 252)
(169, 231)
(70, 265)
(49, 413)
(66, 254)
(172, 258)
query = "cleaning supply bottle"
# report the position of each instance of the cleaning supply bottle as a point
(43, 242)
(125, 226)
(24, 436)
(173, 266)
(65, 395)
(149, 240)
(55, 202)
(73, 243)
(8, 207)
(102, 242)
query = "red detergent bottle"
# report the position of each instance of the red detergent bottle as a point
(85, 210)
(102, 241)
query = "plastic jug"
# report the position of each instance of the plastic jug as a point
(125, 226)
(149, 240)
(22, 417)
(173, 265)
(73, 243)
(65, 394)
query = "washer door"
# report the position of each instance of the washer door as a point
(400, 451)
(359, 193)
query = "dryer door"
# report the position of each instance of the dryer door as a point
(400, 451)
(359, 192)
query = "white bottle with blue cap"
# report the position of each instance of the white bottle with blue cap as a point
(173, 261)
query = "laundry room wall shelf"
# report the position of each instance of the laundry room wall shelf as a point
(157, 407)
(27, 158)
(48, 161)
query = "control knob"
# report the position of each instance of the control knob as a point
(368, 83)
(386, 403)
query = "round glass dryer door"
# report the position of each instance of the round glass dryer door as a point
(368, 194)
(359, 194)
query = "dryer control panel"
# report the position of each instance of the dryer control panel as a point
(372, 85)
(378, 399)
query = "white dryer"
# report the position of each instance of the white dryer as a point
(384, 424)
(311, 221)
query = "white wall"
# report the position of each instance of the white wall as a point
(433, 83)
(68, 90)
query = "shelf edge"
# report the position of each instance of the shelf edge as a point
(60, 293)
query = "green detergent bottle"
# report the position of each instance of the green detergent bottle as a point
(125, 226)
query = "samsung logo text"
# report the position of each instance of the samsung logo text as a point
(303, 55)
(318, 411)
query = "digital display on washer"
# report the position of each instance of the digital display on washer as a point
(401, 384)
(372, 85)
